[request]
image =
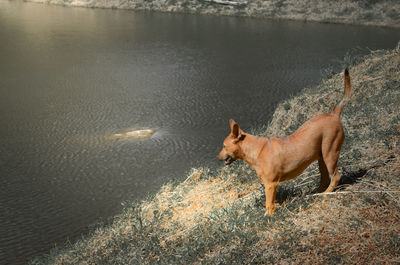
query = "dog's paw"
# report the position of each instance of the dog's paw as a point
(269, 211)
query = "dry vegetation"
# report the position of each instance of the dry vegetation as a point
(365, 12)
(216, 216)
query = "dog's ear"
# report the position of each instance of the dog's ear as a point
(231, 124)
(236, 132)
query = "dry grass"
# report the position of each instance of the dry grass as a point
(365, 12)
(216, 216)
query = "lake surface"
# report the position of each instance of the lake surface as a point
(71, 77)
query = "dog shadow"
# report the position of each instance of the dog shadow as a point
(286, 192)
(351, 177)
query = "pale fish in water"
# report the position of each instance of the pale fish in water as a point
(134, 134)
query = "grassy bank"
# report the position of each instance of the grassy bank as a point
(364, 12)
(216, 216)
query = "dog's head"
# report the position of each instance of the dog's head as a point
(231, 150)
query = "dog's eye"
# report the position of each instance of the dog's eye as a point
(224, 146)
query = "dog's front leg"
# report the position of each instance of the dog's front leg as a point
(270, 194)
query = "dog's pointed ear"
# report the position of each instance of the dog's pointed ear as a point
(236, 132)
(231, 124)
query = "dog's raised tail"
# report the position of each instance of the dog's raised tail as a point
(347, 91)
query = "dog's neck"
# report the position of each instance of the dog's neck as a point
(251, 147)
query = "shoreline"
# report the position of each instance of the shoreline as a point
(369, 13)
(216, 215)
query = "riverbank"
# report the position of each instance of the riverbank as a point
(366, 12)
(216, 215)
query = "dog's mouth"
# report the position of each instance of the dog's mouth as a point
(229, 160)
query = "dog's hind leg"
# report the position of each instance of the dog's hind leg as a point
(324, 175)
(331, 164)
(331, 146)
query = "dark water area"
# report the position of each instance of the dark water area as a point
(71, 77)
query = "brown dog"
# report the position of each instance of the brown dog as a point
(280, 159)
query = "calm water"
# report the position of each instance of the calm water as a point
(70, 77)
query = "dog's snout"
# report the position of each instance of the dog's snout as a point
(221, 156)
